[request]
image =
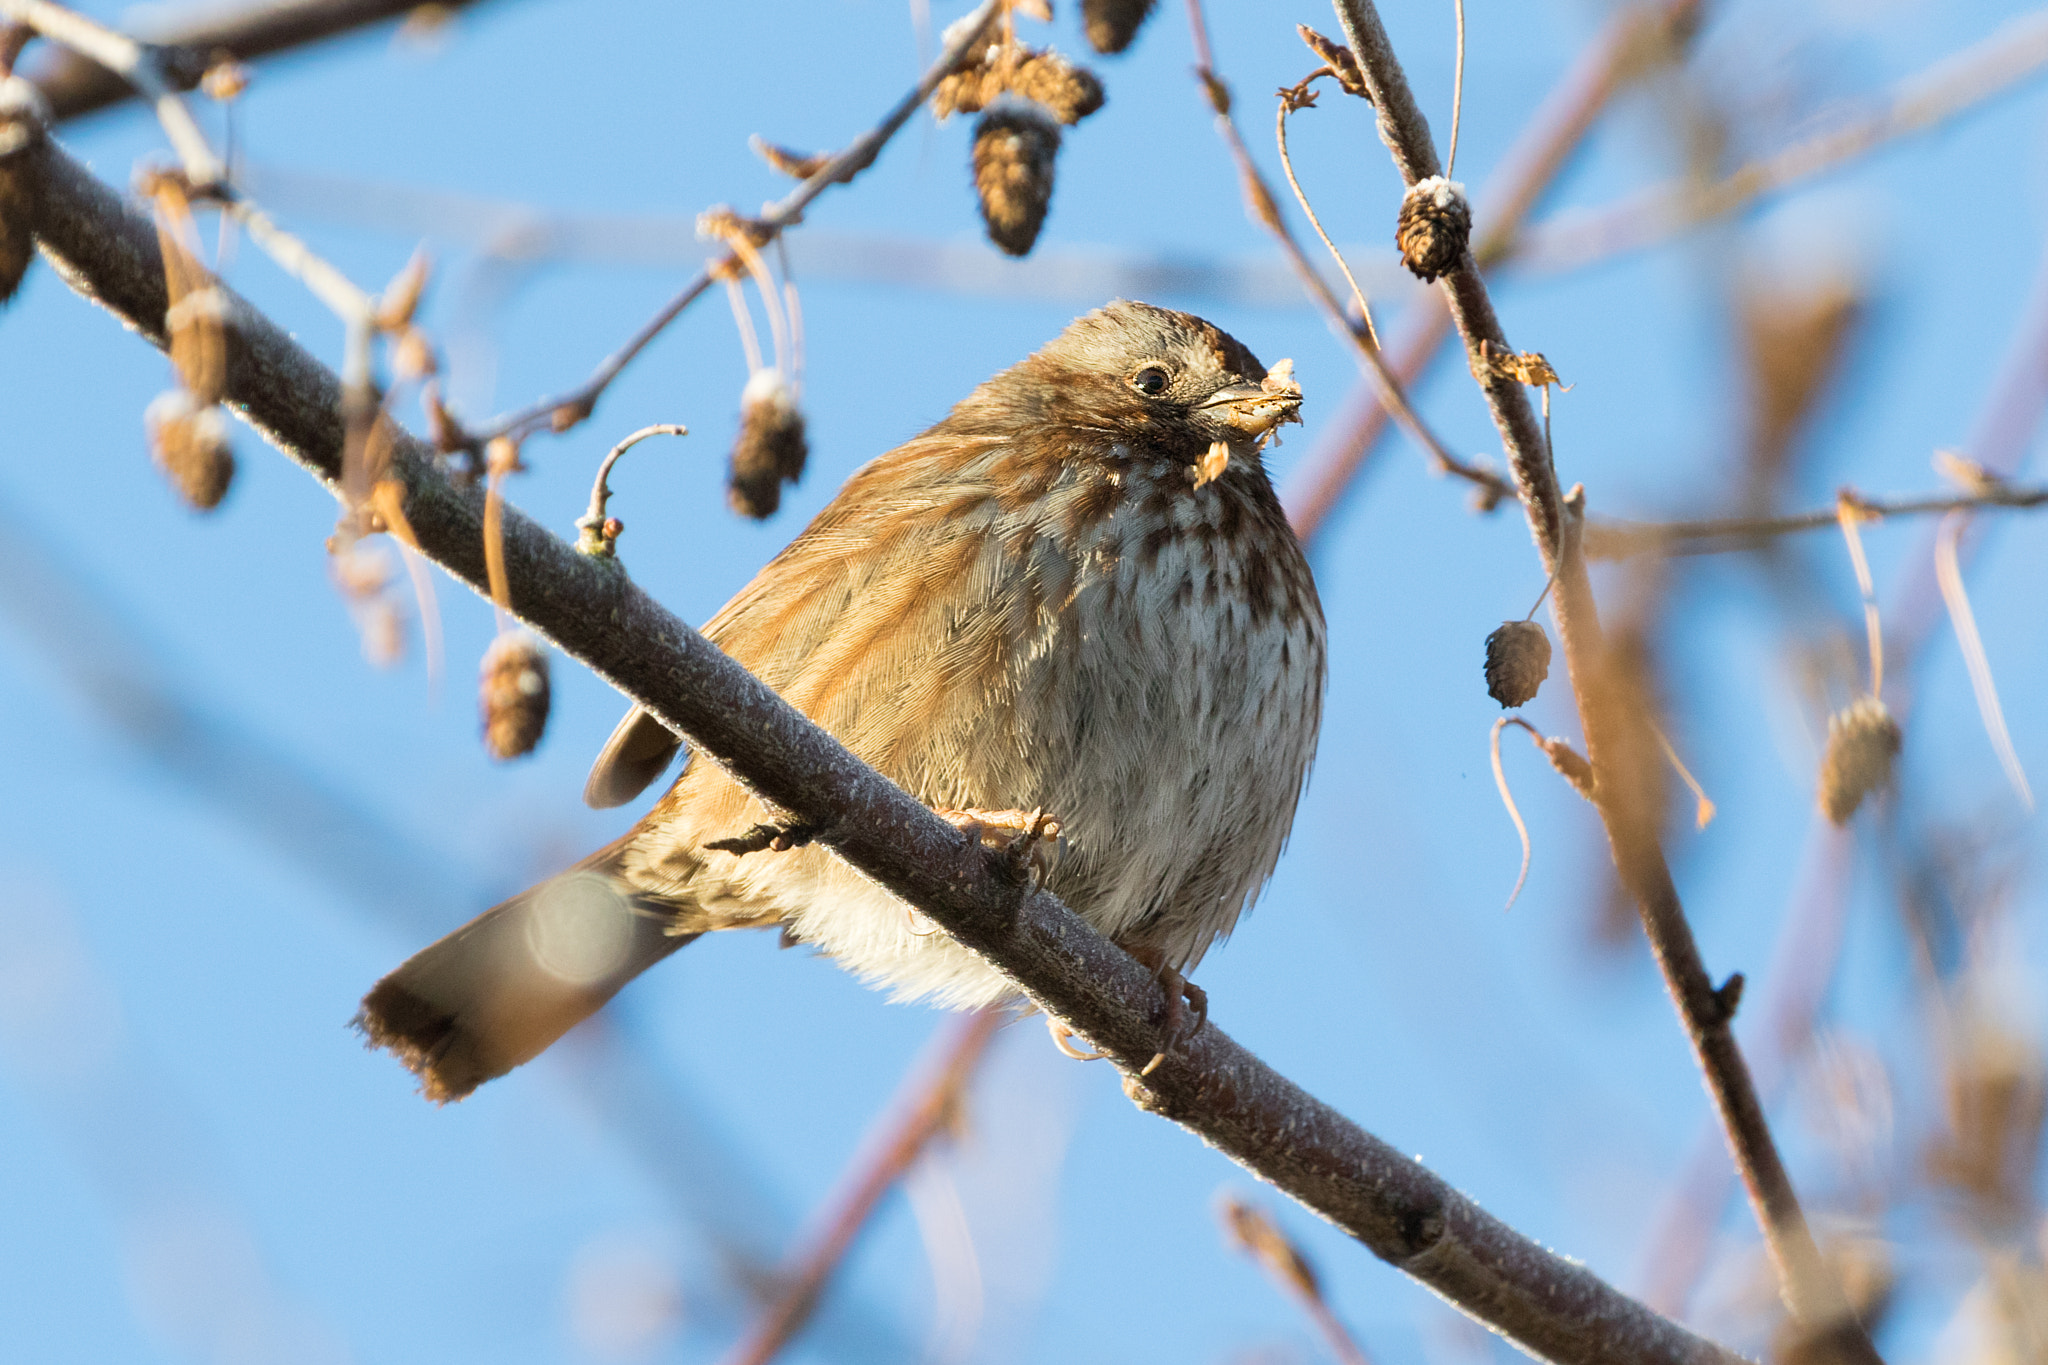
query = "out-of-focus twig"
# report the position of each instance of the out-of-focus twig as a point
(1950, 87)
(566, 409)
(1633, 37)
(928, 1106)
(1209, 1083)
(1617, 539)
(1257, 1235)
(1812, 937)
(192, 37)
(1618, 735)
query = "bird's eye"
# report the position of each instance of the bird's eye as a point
(1150, 380)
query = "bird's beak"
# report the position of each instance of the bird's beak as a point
(1256, 409)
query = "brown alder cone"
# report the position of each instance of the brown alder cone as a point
(770, 449)
(1434, 226)
(513, 694)
(1013, 163)
(189, 441)
(1037, 608)
(1111, 24)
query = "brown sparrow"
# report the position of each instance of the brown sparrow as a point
(1077, 594)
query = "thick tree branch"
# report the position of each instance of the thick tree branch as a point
(593, 611)
(1619, 740)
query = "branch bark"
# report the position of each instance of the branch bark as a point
(1619, 742)
(75, 84)
(1212, 1086)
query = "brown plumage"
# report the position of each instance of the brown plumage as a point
(1033, 604)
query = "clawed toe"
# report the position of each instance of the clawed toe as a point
(1185, 1001)
(1062, 1037)
(1028, 839)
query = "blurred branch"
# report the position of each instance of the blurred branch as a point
(565, 410)
(1948, 88)
(1210, 1084)
(922, 1112)
(1630, 40)
(1619, 739)
(193, 37)
(1811, 939)
(1266, 211)
(513, 231)
(1258, 1236)
(1615, 539)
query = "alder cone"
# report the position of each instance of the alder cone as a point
(1013, 162)
(513, 695)
(1111, 24)
(1059, 598)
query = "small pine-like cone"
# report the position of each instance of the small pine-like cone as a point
(200, 331)
(1517, 662)
(1863, 743)
(771, 448)
(1111, 24)
(1069, 93)
(17, 244)
(189, 442)
(1434, 226)
(513, 697)
(1013, 162)
(970, 88)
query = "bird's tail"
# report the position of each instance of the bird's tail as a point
(504, 986)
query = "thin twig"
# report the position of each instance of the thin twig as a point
(926, 1108)
(1209, 1084)
(1260, 1237)
(1950, 87)
(1616, 744)
(566, 409)
(1535, 160)
(592, 537)
(1267, 211)
(1614, 539)
(1457, 93)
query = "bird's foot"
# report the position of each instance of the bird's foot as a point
(1187, 1008)
(767, 838)
(1062, 1038)
(1028, 839)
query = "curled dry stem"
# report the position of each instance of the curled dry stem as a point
(596, 533)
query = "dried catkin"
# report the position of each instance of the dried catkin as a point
(1013, 173)
(189, 442)
(513, 695)
(200, 331)
(1517, 662)
(1069, 93)
(1434, 226)
(1863, 743)
(770, 450)
(1111, 24)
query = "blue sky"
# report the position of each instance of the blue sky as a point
(203, 1164)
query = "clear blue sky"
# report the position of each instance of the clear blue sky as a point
(201, 1163)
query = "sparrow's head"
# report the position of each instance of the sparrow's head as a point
(1168, 381)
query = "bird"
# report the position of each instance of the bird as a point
(1071, 617)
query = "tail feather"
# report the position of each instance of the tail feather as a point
(500, 989)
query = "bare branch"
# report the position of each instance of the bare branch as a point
(1615, 539)
(191, 38)
(1534, 161)
(926, 1110)
(1619, 740)
(1211, 1085)
(1943, 91)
